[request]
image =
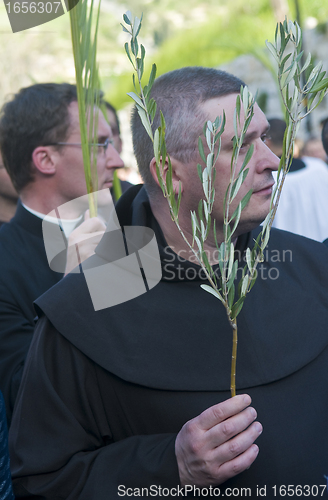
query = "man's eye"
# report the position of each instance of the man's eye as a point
(265, 137)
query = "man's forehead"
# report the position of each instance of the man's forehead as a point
(227, 104)
(103, 127)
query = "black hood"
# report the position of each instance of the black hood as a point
(176, 336)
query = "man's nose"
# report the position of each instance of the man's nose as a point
(272, 161)
(113, 159)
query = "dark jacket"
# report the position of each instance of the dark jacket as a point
(105, 393)
(24, 276)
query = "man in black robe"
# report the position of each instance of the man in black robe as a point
(133, 400)
(46, 175)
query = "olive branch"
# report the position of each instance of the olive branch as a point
(299, 98)
(223, 287)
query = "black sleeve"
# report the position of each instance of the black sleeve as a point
(60, 440)
(16, 332)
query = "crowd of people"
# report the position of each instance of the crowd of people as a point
(134, 400)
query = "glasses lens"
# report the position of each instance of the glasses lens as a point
(106, 144)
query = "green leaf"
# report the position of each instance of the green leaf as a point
(179, 197)
(290, 75)
(200, 210)
(283, 62)
(272, 50)
(143, 52)
(249, 259)
(244, 285)
(152, 75)
(156, 146)
(323, 85)
(236, 213)
(233, 274)
(237, 219)
(266, 238)
(231, 296)
(307, 62)
(211, 290)
(235, 127)
(137, 99)
(214, 232)
(199, 245)
(128, 17)
(252, 282)
(206, 212)
(136, 27)
(124, 28)
(201, 149)
(237, 307)
(202, 228)
(152, 106)
(238, 105)
(207, 264)
(231, 259)
(248, 156)
(200, 171)
(246, 199)
(144, 120)
(194, 223)
(237, 184)
(246, 99)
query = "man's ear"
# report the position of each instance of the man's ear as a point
(43, 158)
(176, 179)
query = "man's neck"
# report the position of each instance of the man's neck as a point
(7, 208)
(45, 205)
(177, 242)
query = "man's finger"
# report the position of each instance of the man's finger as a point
(237, 445)
(230, 427)
(238, 464)
(220, 412)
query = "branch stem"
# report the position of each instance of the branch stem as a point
(234, 358)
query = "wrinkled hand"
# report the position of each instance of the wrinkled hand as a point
(83, 241)
(218, 443)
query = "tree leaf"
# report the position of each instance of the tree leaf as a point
(211, 290)
(201, 149)
(323, 85)
(249, 259)
(128, 17)
(246, 199)
(137, 99)
(231, 296)
(144, 120)
(237, 307)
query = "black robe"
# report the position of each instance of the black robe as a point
(105, 393)
(24, 276)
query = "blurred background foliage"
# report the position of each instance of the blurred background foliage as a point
(175, 33)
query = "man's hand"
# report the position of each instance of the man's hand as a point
(83, 241)
(218, 444)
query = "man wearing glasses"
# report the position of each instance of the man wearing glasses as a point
(41, 148)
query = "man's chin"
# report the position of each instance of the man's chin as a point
(104, 197)
(246, 226)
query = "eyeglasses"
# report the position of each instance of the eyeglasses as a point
(104, 145)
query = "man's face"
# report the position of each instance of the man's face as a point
(261, 165)
(70, 165)
(116, 136)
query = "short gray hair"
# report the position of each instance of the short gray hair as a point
(178, 95)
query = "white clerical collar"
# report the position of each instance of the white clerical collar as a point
(68, 225)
